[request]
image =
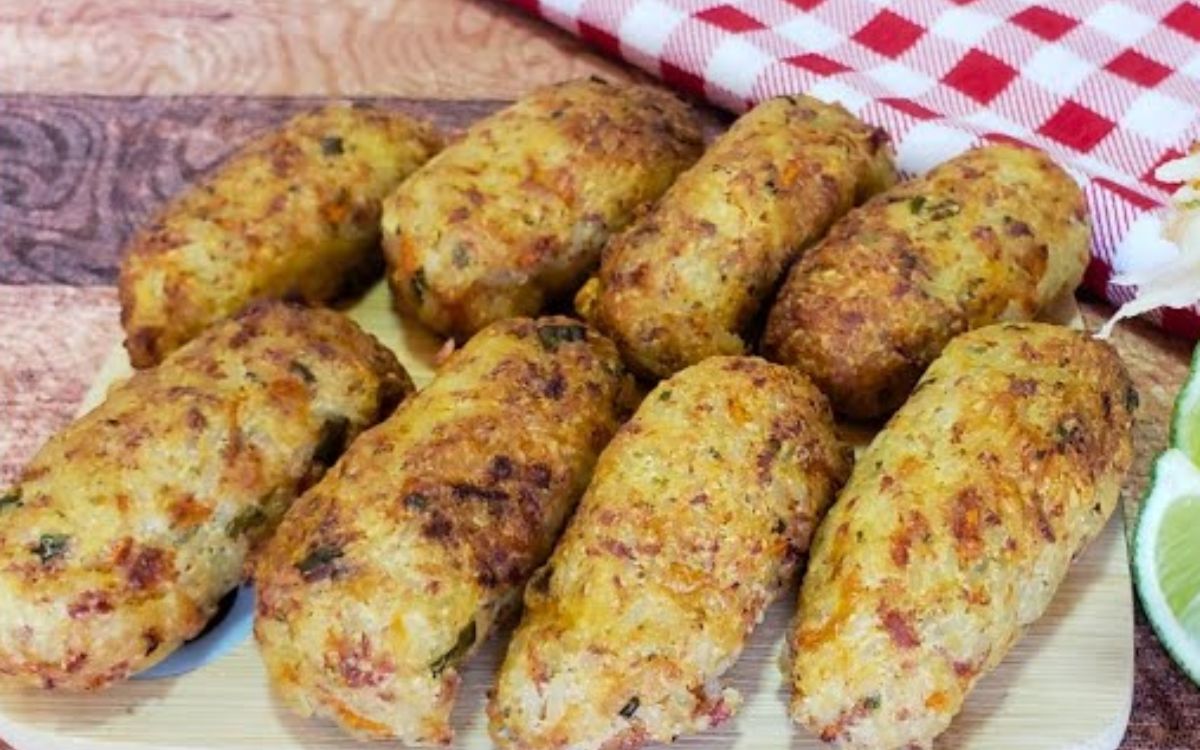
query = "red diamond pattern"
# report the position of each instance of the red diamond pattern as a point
(1138, 68)
(889, 34)
(673, 75)
(805, 4)
(1046, 23)
(1185, 19)
(909, 107)
(731, 19)
(818, 64)
(980, 76)
(1170, 154)
(1077, 126)
(600, 38)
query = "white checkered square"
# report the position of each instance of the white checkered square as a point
(964, 25)
(645, 29)
(830, 90)
(1057, 69)
(736, 64)
(809, 34)
(1160, 118)
(988, 121)
(902, 80)
(929, 144)
(565, 13)
(1120, 22)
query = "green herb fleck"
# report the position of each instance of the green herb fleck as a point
(247, 519)
(11, 497)
(332, 440)
(300, 370)
(1131, 398)
(466, 639)
(317, 559)
(416, 501)
(461, 255)
(944, 210)
(552, 336)
(331, 145)
(51, 546)
(630, 708)
(916, 204)
(872, 702)
(665, 395)
(419, 284)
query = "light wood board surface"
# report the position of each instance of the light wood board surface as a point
(443, 49)
(1067, 684)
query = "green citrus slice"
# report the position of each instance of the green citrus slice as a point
(1185, 420)
(1166, 557)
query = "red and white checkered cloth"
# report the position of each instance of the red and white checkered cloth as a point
(1110, 88)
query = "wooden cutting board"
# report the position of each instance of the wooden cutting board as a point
(1067, 684)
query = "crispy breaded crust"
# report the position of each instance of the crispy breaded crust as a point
(131, 523)
(385, 576)
(294, 214)
(995, 234)
(688, 280)
(955, 529)
(514, 214)
(696, 515)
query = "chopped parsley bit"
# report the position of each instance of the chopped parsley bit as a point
(630, 708)
(872, 702)
(916, 204)
(944, 210)
(300, 370)
(11, 497)
(318, 558)
(416, 501)
(419, 284)
(461, 255)
(51, 546)
(332, 441)
(665, 395)
(331, 145)
(246, 519)
(552, 336)
(466, 639)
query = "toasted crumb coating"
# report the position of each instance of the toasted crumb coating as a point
(387, 574)
(292, 215)
(697, 514)
(130, 524)
(513, 216)
(688, 280)
(995, 234)
(956, 527)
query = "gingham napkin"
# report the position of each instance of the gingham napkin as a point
(1110, 88)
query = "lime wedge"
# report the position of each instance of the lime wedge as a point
(1166, 557)
(1185, 420)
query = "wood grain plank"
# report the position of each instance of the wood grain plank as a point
(441, 49)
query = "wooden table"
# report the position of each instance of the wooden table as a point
(58, 248)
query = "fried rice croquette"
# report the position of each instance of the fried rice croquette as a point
(689, 280)
(996, 234)
(386, 575)
(698, 512)
(513, 216)
(129, 526)
(958, 524)
(293, 215)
